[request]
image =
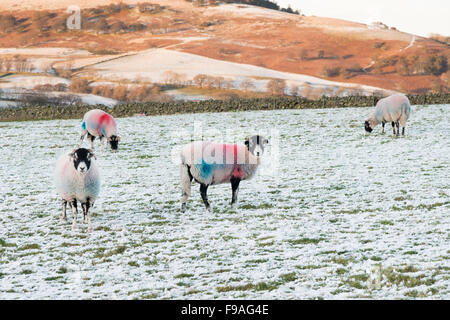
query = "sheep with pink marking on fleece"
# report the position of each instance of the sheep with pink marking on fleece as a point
(98, 123)
(210, 163)
(395, 109)
(77, 179)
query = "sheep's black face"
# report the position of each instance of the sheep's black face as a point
(367, 126)
(256, 145)
(114, 142)
(82, 159)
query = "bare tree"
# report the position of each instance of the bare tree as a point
(276, 87)
(247, 85)
(200, 80)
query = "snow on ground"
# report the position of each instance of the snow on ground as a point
(154, 63)
(29, 81)
(347, 215)
(57, 52)
(246, 11)
(93, 99)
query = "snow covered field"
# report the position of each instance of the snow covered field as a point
(347, 215)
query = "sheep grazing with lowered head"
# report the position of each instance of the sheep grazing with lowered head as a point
(395, 109)
(77, 179)
(98, 123)
(211, 163)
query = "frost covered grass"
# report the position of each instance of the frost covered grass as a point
(347, 215)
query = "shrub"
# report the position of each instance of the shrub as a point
(7, 22)
(330, 72)
(120, 93)
(80, 85)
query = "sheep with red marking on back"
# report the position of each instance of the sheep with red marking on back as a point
(210, 163)
(98, 123)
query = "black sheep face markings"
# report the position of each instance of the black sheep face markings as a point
(82, 159)
(367, 127)
(114, 142)
(256, 145)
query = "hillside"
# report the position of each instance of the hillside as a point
(239, 47)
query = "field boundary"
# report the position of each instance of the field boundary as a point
(52, 112)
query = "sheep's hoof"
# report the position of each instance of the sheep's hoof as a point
(209, 209)
(183, 207)
(233, 205)
(63, 219)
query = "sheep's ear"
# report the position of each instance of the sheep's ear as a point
(247, 142)
(73, 154)
(91, 154)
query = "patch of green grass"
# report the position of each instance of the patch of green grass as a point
(3, 243)
(375, 258)
(342, 260)
(341, 271)
(98, 284)
(410, 252)
(26, 271)
(62, 270)
(387, 222)
(253, 207)
(133, 264)
(29, 247)
(309, 267)
(288, 277)
(305, 241)
(408, 269)
(53, 278)
(261, 286)
(257, 261)
(183, 275)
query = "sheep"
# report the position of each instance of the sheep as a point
(98, 123)
(210, 163)
(77, 179)
(395, 108)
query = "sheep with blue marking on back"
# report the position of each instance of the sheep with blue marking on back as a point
(210, 163)
(395, 109)
(77, 179)
(98, 123)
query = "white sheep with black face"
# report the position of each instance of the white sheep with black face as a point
(77, 179)
(395, 109)
(211, 163)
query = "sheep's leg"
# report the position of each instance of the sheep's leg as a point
(87, 207)
(403, 131)
(73, 205)
(397, 124)
(83, 206)
(83, 134)
(91, 138)
(235, 189)
(203, 192)
(101, 144)
(64, 205)
(186, 180)
(383, 123)
(393, 126)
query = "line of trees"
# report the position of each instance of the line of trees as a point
(16, 63)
